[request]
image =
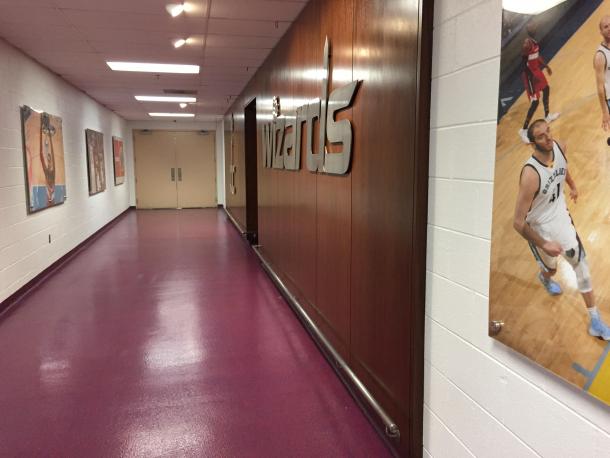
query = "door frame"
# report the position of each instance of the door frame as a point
(152, 131)
(251, 152)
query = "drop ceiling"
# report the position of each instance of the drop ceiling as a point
(229, 39)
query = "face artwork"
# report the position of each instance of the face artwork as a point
(548, 297)
(44, 159)
(95, 161)
(118, 161)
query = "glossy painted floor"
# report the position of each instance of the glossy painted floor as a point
(165, 338)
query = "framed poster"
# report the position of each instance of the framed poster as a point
(96, 168)
(43, 149)
(118, 161)
(549, 281)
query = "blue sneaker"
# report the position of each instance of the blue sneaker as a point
(599, 329)
(551, 286)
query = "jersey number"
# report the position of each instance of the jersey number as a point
(556, 195)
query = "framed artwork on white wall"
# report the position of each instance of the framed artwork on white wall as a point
(96, 167)
(118, 160)
(43, 149)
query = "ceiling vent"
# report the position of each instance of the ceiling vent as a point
(180, 91)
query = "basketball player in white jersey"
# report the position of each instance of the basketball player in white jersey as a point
(601, 63)
(542, 218)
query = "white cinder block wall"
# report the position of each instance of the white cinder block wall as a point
(24, 239)
(481, 398)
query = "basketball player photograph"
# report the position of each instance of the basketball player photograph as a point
(542, 218)
(549, 281)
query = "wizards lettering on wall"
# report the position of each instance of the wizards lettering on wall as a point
(282, 137)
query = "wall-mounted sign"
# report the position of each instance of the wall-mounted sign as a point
(282, 137)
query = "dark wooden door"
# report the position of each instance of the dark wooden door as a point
(250, 149)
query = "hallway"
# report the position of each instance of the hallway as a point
(164, 337)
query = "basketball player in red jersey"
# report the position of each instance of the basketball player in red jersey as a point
(601, 63)
(542, 218)
(535, 82)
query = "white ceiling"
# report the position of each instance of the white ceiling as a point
(75, 38)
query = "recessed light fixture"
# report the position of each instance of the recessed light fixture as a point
(529, 6)
(183, 105)
(164, 98)
(175, 9)
(153, 68)
(180, 42)
(172, 115)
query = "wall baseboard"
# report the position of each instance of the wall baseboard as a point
(10, 303)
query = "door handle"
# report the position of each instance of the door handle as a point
(173, 174)
(179, 173)
(233, 187)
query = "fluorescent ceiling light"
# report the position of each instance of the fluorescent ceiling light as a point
(153, 68)
(161, 98)
(175, 9)
(179, 42)
(183, 105)
(172, 115)
(529, 6)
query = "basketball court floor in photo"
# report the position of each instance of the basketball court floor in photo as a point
(552, 331)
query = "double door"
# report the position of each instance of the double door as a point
(175, 169)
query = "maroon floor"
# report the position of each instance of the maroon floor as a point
(165, 338)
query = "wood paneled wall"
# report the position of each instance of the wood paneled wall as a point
(352, 248)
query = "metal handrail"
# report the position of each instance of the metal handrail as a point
(391, 428)
(234, 221)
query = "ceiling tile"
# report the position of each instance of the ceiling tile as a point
(154, 22)
(166, 57)
(60, 59)
(28, 3)
(42, 32)
(237, 41)
(212, 79)
(122, 36)
(266, 10)
(35, 45)
(229, 62)
(248, 28)
(23, 15)
(196, 8)
(237, 53)
(150, 52)
(236, 71)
